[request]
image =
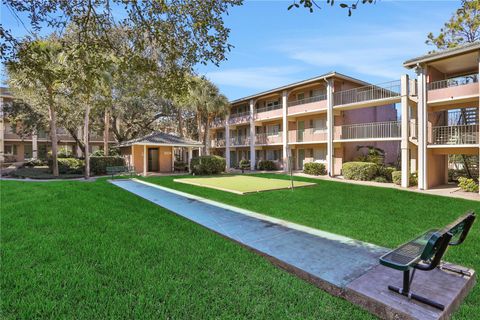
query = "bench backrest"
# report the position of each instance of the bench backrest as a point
(117, 169)
(440, 240)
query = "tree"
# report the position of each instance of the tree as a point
(36, 76)
(463, 27)
(310, 5)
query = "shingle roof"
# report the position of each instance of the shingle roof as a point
(442, 54)
(160, 138)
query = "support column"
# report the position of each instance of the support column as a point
(405, 132)
(252, 135)
(422, 128)
(173, 158)
(478, 133)
(145, 155)
(189, 158)
(285, 131)
(2, 131)
(227, 142)
(330, 128)
(34, 145)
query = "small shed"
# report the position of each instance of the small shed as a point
(157, 152)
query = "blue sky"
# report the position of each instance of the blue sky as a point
(274, 47)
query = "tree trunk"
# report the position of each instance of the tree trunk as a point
(53, 132)
(180, 123)
(106, 131)
(199, 126)
(86, 140)
(206, 137)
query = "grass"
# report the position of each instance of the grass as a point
(242, 184)
(90, 250)
(383, 216)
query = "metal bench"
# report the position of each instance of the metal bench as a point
(120, 169)
(425, 253)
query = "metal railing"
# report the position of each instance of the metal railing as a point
(216, 143)
(453, 82)
(267, 138)
(308, 100)
(240, 141)
(218, 122)
(454, 135)
(269, 108)
(239, 117)
(373, 92)
(374, 130)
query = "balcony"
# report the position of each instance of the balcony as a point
(240, 141)
(264, 138)
(308, 104)
(217, 123)
(217, 143)
(453, 88)
(389, 130)
(269, 112)
(310, 135)
(239, 118)
(384, 91)
(454, 135)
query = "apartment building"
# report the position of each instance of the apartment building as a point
(16, 148)
(417, 122)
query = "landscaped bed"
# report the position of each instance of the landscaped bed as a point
(243, 184)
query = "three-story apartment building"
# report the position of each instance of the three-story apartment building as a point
(16, 148)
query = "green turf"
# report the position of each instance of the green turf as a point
(242, 184)
(90, 250)
(383, 216)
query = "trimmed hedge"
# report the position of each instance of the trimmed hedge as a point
(266, 165)
(364, 171)
(314, 168)
(68, 165)
(244, 164)
(386, 172)
(98, 165)
(205, 165)
(397, 178)
(468, 185)
(180, 166)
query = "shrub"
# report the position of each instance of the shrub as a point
(68, 165)
(266, 165)
(386, 172)
(35, 163)
(98, 165)
(111, 152)
(314, 168)
(397, 178)
(381, 179)
(365, 171)
(180, 166)
(468, 185)
(244, 164)
(205, 165)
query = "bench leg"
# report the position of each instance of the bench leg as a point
(405, 291)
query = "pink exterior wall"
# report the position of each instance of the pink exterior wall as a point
(269, 114)
(308, 107)
(391, 149)
(436, 169)
(453, 92)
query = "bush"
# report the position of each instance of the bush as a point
(468, 185)
(266, 165)
(35, 163)
(314, 168)
(98, 165)
(365, 171)
(386, 172)
(68, 165)
(381, 179)
(205, 165)
(244, 164)
(397, 178)
(180, 166)
(111, 152)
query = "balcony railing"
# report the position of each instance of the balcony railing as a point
(453, 82)
(265, 138)
(240, 141)
(218, 143)
(373, 92)
(239, 117)
(375, 130)
(308, 100)
(217, 123)
(454, 135)
(269, 108)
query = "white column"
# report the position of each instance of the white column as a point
(285, 130)
(227, 142)
(405, 132)
(330, 128)
(422, 128)
(2, 131)
(34, 145)
(252, 135)
(173, 158)
(145, 160)
(478, 134)
(189, 158)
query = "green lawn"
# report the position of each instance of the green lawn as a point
(90, 250)
(242, 184)
(386, 217)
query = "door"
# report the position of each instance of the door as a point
(300, 130)
(153, 160)
(301, 158)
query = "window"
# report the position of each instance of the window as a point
(273, 155)
(319, 125)
(220, 135)
(319, 155)
(273, 130)
(300, 96)
(10, 149)
(317, 92)
(9, 128)
(272, 103)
